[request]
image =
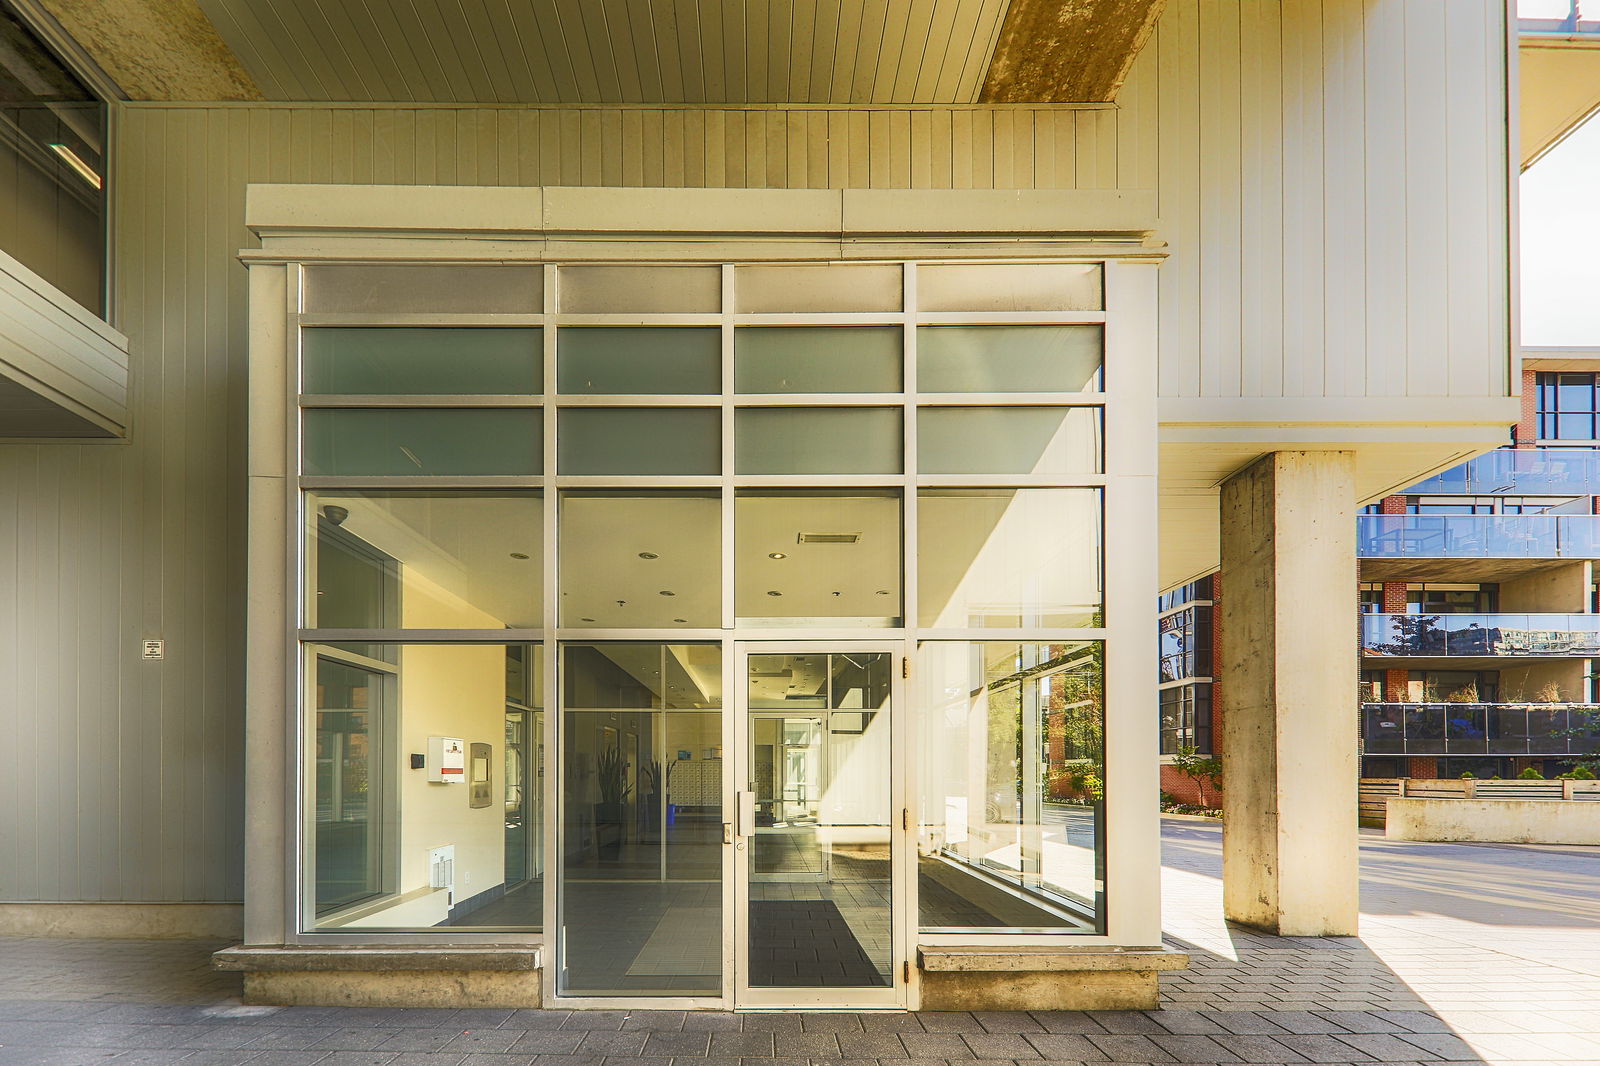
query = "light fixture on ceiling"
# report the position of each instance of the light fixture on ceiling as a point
(770, 593)
(668, 592)
(828, 538)
(72, 159)
(883, 592)
(648, 555)
(336, 514)
(586, 619)
(680, 621)
(777, 555)
(519, 555)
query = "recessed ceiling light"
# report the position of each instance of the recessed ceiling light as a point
(680, 621)
(586, 619)
(668, 592)
(777, 555)
(883, 592)
(519, 555)
(774, 594)
(648, 555)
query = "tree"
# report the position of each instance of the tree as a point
(1202, 771)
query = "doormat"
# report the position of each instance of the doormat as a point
(687, 942)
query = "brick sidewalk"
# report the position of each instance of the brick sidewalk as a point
(1472, 954)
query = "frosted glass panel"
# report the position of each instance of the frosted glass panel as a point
(1009, 358)
(638, 559)
(1008, 440)
(420, 362)
(1009, 287)
(815, 287)
(444, 289)
(422, 441)
(817, 557)
(1009, 557)
(609, 290)
(654, 361)
(818, 359)
(818, 440)
(640, 440)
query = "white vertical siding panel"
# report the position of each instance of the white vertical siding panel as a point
(1475, 76)
(1303, 157)
(1427, 228)
(1388, 157)
(1179, 198)
(1345, 199)
(1220, 219)
(1262, 261)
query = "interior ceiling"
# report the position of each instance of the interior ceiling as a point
(614, 51)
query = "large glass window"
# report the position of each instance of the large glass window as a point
(1011, 785)
(1009, 440)
(414, 559)
(641, 785)
(422, 441)
(817, 557)
(52, 168)
(1567, 406)
(630, 441)
(818, 359)
(641, 559)
(1009, 358)
(620, 361)
(818, 440)
(1009, 558)
(421, 362)
(411, 826)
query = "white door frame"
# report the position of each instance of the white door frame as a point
(902, 923)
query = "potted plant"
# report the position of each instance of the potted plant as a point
(611, 778)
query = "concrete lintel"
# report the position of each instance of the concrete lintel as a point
(590, 214)
(1067, 51)
(1027, 958)
(155, 49)
(367, 958)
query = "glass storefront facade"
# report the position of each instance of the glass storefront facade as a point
(711, 518)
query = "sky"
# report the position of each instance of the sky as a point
(1560, 226)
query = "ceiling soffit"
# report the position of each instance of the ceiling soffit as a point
(614, 51)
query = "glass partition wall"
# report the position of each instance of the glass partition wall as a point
(711, 518)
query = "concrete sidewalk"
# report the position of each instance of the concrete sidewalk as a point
(1469, 953)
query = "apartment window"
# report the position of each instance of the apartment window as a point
(1186, 644)
(1186, 718)
(1567, 406)
(1372, 599)
(1452, 599)
(52, 168)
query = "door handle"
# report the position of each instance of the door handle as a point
(747, 813)
(727, 832)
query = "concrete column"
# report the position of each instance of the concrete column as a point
(1289, 720)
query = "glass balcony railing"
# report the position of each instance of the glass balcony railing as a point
(1480, 728)
(1423, 536)
(1520, 472)
(1510, 635)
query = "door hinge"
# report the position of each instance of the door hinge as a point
(905, 817)
(905, 666)
(905, 971)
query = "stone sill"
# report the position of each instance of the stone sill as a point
(1031, 958)
(370, 959)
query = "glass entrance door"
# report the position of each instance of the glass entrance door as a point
(816, 836)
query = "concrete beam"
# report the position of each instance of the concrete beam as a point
(155, 49)
(1067, 51)
(1289, 863)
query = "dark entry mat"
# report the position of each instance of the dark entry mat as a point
(806, 944)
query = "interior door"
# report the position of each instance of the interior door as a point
(817, 826)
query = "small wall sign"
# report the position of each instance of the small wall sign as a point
(153, 649)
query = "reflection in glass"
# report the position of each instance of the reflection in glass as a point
(1009, 358)
(1010, 287)
(1000, 558)
(423, 441)
(412, 288)
(420, 361)
(454, 559)
(640, 440)
(818, 440)
(819, 857)
(620, 361)
(817, 359)
(816, 557)
(641, 559)
(1010, 792)
(380, 825)
(1009, 440)
(628, 289)
(641, 901)
(793, 288)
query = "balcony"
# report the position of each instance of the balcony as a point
(1426, 636)
(1480, 728)
(1520, 471)
(1536, 536)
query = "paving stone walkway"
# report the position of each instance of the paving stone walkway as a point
(1468, 954)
